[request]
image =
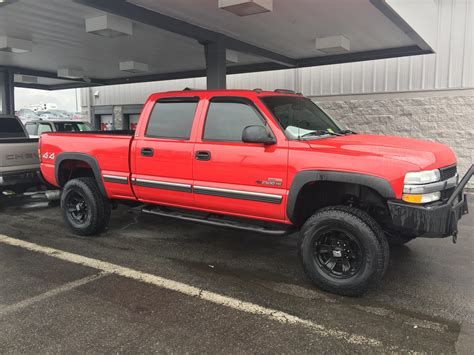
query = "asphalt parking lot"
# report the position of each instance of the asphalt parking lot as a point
(151, 284)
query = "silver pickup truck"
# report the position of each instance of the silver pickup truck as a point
(19, 163)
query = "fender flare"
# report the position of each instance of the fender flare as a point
(86, 158)
(380, 185)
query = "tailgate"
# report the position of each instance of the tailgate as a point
(19, 155)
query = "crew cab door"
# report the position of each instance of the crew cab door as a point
(162, 156)
(234, 177)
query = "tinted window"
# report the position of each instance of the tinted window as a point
(10, 127)
(31, 129)
(171, 119)
(226, 121)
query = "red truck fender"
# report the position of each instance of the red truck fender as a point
(85, 158)
(302, 178)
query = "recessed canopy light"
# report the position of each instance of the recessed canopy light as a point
(15, 45)
(231, 57)
(333, 44)
(133, 67)
(109, 26)
(71, 73)
(26, 79)
(246, 7)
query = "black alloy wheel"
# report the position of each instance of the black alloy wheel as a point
(77, 208)
(337, 253)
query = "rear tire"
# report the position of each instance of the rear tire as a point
(343, 250)
(84, 208)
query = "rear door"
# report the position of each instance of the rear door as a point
(234, 177)
(162, 158)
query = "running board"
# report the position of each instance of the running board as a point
(213, 220)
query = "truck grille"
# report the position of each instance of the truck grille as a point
(448, 172)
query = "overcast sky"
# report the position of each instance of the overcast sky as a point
(65, 99)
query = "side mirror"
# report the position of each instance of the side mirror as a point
(257, 134)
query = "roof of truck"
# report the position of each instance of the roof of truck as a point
(229, 92)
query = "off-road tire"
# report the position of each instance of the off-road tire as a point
(97, 217)
(375, 253)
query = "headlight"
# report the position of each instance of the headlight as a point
(422, 187)
(422, 177)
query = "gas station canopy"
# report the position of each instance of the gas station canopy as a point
(58, 44)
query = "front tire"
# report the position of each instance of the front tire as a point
(343, 250)
(84, 208)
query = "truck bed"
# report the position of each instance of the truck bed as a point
(111, 151)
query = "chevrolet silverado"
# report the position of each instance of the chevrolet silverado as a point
(268, 162)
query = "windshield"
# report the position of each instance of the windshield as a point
(300, 118)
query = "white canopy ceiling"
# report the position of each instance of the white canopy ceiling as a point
(57, 30)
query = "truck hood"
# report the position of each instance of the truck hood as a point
(422, 155)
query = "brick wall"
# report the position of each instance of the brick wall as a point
(447, 119)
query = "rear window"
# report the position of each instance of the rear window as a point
(172, 118)
(10, 127)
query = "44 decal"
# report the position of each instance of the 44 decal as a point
(47, 155)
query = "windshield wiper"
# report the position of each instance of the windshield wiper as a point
(320, 132)
(348, 131)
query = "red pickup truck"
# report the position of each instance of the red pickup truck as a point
(268, 162)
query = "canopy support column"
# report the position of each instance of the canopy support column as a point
(7, 93)
(215, 53)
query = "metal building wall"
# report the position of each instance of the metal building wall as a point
(452, 67)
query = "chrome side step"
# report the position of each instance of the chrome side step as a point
(217, 221)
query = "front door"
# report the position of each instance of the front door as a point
(162, 159)
(233, 177)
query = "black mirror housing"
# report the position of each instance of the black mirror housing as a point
(257, 134)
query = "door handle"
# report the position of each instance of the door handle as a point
(147, 152)
(203, 155)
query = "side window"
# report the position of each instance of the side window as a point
(226, 121)
(31, 128)
(44, 127)
(172, 119)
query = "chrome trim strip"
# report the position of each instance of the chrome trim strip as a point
(164, 185)
(433, 187)
(238, 194)
(116, 179)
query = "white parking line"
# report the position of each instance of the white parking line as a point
(58, 290)
(243, 306)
